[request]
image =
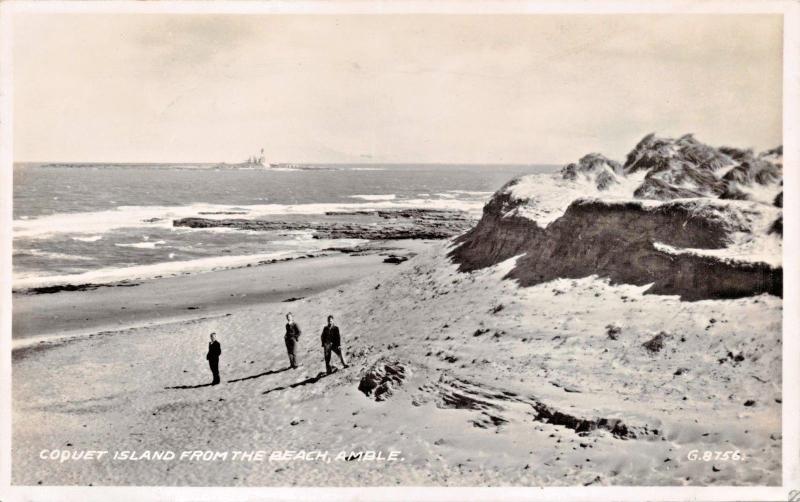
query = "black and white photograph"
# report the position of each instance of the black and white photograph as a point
(253, 245)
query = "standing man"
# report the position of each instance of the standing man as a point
(291, 338)
(214, 351)
(331, 342)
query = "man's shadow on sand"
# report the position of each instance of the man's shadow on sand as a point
(190, 386)
(307, 381)
(251, 377)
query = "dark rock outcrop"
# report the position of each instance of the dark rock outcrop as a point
(410, 213)
(395, 259)
(374, 225)
(58, 288)
(492, 403)
(381, 379)
(656, 344)
(582, 426)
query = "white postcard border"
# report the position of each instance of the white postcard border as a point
(791, 345)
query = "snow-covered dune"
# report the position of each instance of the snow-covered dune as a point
(683, 217)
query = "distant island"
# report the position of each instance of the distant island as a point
(254, 161)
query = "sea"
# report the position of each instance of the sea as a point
(95, 223)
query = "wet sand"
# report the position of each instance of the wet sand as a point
(180, 297)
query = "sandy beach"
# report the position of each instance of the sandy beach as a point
(485, 384)
(39, 317)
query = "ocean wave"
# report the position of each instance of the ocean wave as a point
(454, 194)
(91, 238)
(475, 193)
(99, 222)
(389, 196)
(293, 248)
(300, 167)
(107, 275)
(55, 256)
(215, 230)
(142, 245)
(302, 243)
(296, 235)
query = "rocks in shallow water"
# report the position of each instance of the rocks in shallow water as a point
(410, 213)
(45, 290)
(381, 379)
(371, 225)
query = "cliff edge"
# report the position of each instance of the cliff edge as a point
(685, 218)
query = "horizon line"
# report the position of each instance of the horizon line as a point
(145, 163)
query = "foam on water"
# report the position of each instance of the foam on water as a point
(161, 216)
(57, 256)
(90, 223)
(142, 245)
(110, 275)
(389, 196)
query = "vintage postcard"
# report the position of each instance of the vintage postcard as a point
(393, 251)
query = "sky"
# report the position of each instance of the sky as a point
(388, 88)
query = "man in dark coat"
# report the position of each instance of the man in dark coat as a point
(214, 351)
(291, 338)
(331, 342)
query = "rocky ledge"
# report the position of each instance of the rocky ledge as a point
(393, 224)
